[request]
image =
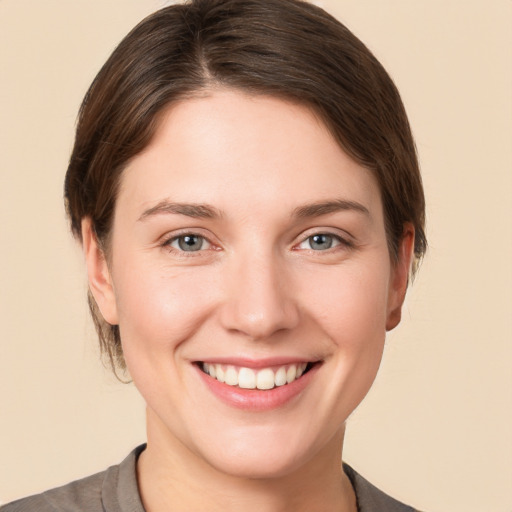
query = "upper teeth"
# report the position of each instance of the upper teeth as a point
(247, 378)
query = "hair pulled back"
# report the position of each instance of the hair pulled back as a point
(282, 48)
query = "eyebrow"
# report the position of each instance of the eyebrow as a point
(206, 211)
(195, 210)
(326, 207)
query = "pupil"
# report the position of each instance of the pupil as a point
(190, 243)
(321, 242)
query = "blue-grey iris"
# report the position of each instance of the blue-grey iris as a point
(190, 242)
(320, 242)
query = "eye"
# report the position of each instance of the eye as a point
(189, 243)
(320, 242)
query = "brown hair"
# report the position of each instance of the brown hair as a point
(284, 48)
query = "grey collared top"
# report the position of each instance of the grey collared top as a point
(115, 490)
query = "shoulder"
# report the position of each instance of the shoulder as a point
(112, 490)
(371, 499)
(84, 494)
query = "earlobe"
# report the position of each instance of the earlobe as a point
(98, 273)
(400, 277)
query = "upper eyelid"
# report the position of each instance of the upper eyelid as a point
(172, 235)
(346, 241)
(338, 233)
(338, 238)
(342, 235)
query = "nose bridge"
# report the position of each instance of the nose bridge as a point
(258, 301)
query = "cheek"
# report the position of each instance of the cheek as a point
(350, 309)
(351, 302)
(161, 307)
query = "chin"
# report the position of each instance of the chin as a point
(267, 454)
(258, 466)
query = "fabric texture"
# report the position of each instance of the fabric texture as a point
(115, 490)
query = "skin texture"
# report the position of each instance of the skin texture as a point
(256, 289)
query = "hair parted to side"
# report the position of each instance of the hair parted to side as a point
(282, 48)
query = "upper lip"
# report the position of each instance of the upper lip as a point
(257, 362)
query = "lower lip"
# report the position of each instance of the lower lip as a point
(255, 399)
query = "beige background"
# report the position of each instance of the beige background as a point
(436, 429)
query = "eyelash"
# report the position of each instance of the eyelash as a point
(337, 240)
(340, 242)
(168, 244)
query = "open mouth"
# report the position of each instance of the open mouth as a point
(261, 378)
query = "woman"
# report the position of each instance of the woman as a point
(245, 187)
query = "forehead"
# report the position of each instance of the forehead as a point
(243, 151)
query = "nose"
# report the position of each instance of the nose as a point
(259, 298)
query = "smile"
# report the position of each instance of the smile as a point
(262, 379)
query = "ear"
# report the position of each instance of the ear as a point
(400, 277)
(100, 280)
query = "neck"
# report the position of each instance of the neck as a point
(171, 477)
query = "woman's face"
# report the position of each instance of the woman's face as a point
(247, 244)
